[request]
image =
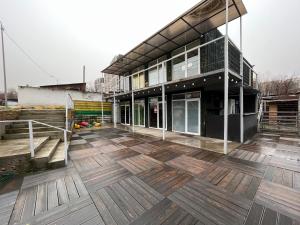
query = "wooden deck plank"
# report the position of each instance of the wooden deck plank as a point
(189, 164)
(279, 198)
(52, 195)
(41, 199)
(139, 163)
(7, 202)
(211, 205)
(165, 179)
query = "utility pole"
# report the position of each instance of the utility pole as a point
(4, 71)
(83, 74)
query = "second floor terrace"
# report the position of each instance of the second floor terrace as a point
(187, 48)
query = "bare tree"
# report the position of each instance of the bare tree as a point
(284, 86)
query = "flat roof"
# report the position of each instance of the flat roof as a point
(203, 17)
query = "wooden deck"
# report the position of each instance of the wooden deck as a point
(117, 178)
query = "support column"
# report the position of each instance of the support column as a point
(115, 119)
(3, 61)
(132, 104)
(242, 84)
(226, 73)
(298, 114)
(163, 108)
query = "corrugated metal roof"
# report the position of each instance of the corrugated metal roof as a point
(203, 17)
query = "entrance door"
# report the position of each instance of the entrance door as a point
(125, 114)
(153, 114)
(139, 113)
(193, 116)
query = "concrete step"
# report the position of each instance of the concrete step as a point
(52, 134)
(58, 158)
(43, 156)
(26, 130)
(40, 143)
(25, 124)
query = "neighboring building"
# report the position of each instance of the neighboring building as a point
(44, 96)
(280, 105)
(184, 63)
(73, 87)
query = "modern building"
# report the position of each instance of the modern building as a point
(190, 78)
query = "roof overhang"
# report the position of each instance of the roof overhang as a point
(203, 17)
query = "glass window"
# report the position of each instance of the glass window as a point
(178, 68)
(192, 63)
(126, 84)
(178, 51)
(135, 82)
(153, 76)
(161, 74)
(141, 80)
(193, 44)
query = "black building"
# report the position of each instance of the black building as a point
(192, 72)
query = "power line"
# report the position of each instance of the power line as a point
(29, 57)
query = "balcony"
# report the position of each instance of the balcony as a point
(190, 62)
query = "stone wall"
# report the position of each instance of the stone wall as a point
(7, 114)
(15, 165)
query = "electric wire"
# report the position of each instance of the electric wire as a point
(28, 56)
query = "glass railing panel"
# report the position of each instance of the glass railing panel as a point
(234, 58)
(178, 68)
(192, 63)
(212, 56)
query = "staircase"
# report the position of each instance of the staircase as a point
(49, 145)
(52, 117)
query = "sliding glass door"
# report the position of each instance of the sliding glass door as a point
(186, 113)
(139, 113)
(193, 116)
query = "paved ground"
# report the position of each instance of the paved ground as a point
(118, 178)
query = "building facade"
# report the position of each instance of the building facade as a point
(185, 77)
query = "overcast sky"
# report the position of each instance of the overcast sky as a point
(63, 35)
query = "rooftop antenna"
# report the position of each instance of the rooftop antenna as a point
(4, 71)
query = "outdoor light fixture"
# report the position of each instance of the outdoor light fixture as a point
(204, 80)
(193, 84)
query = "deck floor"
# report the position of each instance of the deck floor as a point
(115, 178)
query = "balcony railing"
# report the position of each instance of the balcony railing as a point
(202, 60)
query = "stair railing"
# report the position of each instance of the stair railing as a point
(69, 103)
(31, 141)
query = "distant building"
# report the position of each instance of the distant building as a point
(106, 83)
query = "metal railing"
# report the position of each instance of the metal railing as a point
(205, 67)
(280, 121)
(31, 140)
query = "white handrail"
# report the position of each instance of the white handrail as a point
(31, 142)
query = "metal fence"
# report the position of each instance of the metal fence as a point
(280, 121)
